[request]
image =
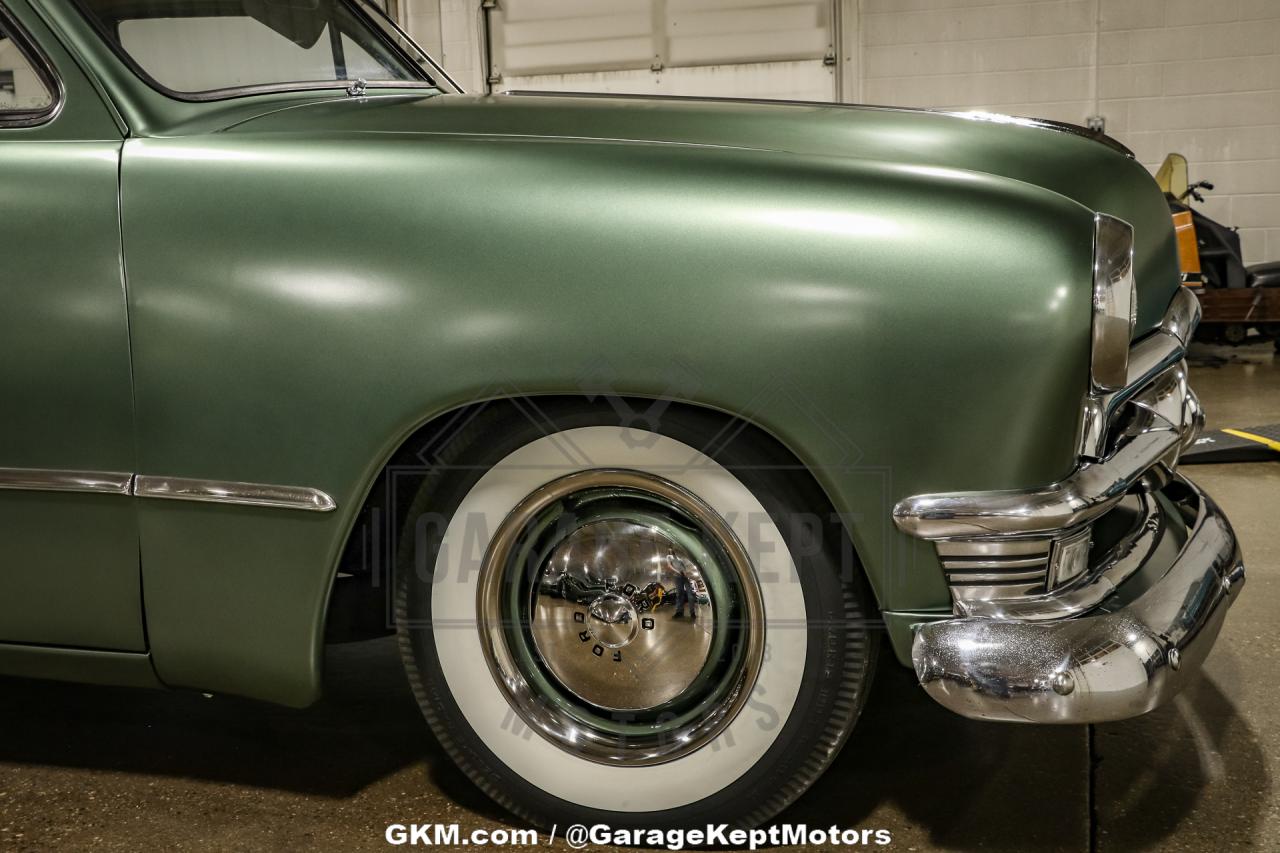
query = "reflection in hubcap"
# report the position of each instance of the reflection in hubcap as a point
(621, 617)
(612, 620)
(587, 623)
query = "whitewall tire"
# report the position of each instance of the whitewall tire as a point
(571, 689)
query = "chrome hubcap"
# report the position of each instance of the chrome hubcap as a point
(604, 618)
(621, 617)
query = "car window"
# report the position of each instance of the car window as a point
(195, 46)
(22, 90)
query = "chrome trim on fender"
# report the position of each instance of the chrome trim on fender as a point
(171, 488)
(46, 480)
(1115, 306)
(1119, 663)
(231, 492)
(1166, 419)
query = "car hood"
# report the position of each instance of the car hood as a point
(1097, 175)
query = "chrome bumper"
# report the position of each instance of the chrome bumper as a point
(1117, 662)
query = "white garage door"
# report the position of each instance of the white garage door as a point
(725, 48)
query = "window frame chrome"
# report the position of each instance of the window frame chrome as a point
(375, 11)
(443, 83)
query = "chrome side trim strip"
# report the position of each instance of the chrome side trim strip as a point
(171, 488)
(231, 492)
(44, 480)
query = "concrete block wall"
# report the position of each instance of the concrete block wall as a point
(1010, 56)
(1201, 77)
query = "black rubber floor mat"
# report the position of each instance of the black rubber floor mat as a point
(1252, 444)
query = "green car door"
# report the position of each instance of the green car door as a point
(68, 532)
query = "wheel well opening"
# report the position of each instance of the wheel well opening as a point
(361, 601)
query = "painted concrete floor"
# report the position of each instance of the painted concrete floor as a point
(86, 768)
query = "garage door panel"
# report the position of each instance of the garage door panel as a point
(568, 31)
(603, 54)
(808, 80)
(743, 48)
(737, 21)
(731, 48)
(515, 11)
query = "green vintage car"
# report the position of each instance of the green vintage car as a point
(301, 343)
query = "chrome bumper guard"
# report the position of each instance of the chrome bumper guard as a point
(1030, 646)
(1116, 663)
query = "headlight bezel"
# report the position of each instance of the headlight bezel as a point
(1115, 302)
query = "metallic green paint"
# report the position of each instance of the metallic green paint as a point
(69, 570)
(900, 298)
(482, 267)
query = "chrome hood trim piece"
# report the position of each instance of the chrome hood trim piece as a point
(231, 492)
(46, 480)
(1117, 663)
(969, 115)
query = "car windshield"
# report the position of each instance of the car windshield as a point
(203, 47)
